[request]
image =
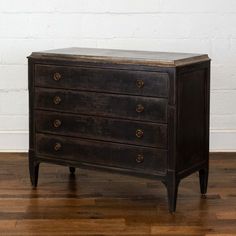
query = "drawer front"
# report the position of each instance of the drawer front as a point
(108, 129)
(100, 104)
(103, 153)
(104, 80)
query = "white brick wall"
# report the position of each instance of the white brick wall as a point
(184, 25)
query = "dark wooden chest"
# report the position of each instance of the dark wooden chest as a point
(133, 112)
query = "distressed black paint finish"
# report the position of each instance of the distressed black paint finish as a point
(103, 80)
(102, 104)
(191, 118)
(140, 113)
(99, 152)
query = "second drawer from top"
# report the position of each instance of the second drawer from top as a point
(102, 104)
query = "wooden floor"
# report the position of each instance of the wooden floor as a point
(96, 203)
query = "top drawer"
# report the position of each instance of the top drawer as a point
(143, 83)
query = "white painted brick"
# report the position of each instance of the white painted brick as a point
(223, 76)
(68, 25)
(51, 25)
(188, 26)
(107, 26)
(26, 26)
(223, 102)
(223, 140)
(221, 52)
(224, 26)
(14, 26)
(185, 45)
(13, 123)
(13, 103)
(170, 45)
(151, 26)
(130, 44)
(186, 6)
(96, 6)
(196, 26)
(223, 122)
(15, 51)
(89, 26)
(13, 77)
(233, 45)
(112, 25)
(89, 43)
(14, 141)
(108, 6)
(15, 6)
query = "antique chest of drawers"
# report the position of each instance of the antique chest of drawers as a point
(133, 112)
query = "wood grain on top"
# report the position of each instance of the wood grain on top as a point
(122, 56)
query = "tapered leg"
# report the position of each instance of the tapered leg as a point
(172, 185)
(72, 170)
(203, 179)
(34, 171)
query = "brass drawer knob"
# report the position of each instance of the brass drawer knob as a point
(57, 146)
(57, 76)
(56, 100)
(57, 123)
(139, 133)
(139, 83)
(139, 108)
(139, 158)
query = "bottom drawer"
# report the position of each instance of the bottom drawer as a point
(103, 153)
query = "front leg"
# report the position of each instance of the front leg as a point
(72, 170)
(203, 179)
(172, 185)
(33, 170)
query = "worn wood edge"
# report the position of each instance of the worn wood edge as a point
(188, 61)
(119, 60)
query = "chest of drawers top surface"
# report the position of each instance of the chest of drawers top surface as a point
(166, 59)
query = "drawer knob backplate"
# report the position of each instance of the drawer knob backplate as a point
(57, 123)
(56, 100)
(139, 158)
(57, 76)
(139, 133)
(139, 108)
(57, 146)
(139, 83)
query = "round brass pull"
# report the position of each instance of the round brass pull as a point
(56, 100)
(139, 108)
(139, 133)
(57, 76)
(139, 158)
(139, 83)
(57, 146)
(57, 123)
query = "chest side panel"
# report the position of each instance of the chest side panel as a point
(192, 117)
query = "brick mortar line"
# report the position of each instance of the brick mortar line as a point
(119, 13)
